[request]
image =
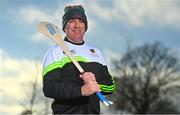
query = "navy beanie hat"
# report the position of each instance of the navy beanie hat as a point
(74, 12)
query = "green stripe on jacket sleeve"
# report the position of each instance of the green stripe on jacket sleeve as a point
(107, 88)
(52, 66)
(61, 63)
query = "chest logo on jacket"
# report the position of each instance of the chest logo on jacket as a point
(72, 52)
(93, 53)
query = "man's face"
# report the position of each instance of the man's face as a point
(75, 30)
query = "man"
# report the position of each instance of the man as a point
(72, 91)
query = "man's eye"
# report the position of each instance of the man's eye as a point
(80, 20)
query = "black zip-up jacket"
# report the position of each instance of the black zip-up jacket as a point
(62, 83)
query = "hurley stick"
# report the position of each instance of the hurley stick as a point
(51, 31)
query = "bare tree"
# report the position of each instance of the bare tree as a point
(147, 76)
(35, 101)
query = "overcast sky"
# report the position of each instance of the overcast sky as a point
(110, 24)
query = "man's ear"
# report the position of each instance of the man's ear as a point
(65, 29)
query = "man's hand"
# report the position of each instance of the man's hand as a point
(90, 85)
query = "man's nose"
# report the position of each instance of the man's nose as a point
(76, 23)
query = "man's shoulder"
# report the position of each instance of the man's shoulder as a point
(54, 52)
(54, 49)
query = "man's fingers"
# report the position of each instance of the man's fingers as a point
(87, 76)
(89, 88)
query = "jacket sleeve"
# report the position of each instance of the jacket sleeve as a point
(56, 89)
(106, 84)
(53, 86)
